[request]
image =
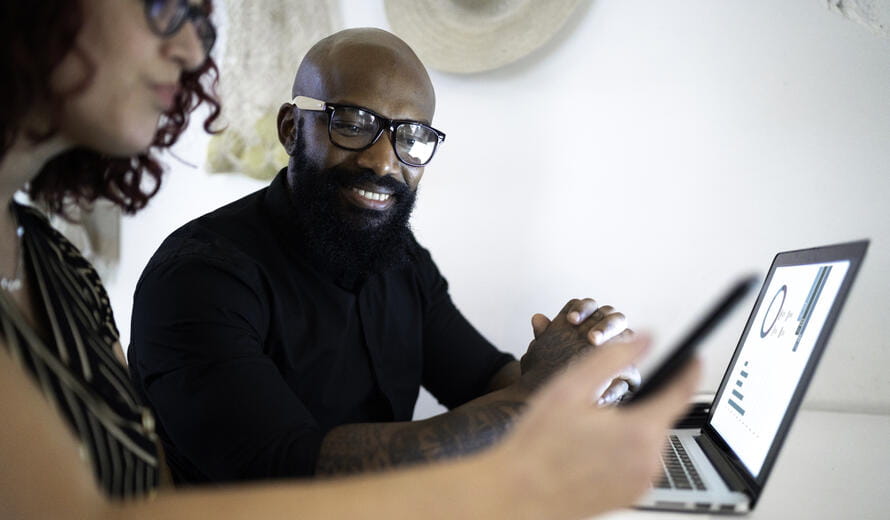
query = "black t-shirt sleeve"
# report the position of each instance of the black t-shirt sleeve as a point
(197, 354)
(458, 362)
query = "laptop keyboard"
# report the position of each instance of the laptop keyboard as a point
(677, 471)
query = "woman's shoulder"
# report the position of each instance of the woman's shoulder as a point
(37, 226)
(62, 267)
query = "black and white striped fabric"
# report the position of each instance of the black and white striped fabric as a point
(75, 365)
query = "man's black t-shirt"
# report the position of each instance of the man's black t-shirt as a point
(250, 351)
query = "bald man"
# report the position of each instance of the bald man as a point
(288, 333)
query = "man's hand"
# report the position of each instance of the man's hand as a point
(625, 380)
(579, 325)
(479, 423)
(565, 447)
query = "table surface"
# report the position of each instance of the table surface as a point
(834, 465)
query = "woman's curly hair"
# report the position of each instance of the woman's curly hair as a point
(35, 37)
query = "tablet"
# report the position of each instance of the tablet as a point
(682, 353)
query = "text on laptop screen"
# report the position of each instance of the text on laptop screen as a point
(777, 347)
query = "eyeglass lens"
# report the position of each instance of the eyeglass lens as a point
(354, 128)
(168, 16)
(415, 143)
(163, 14)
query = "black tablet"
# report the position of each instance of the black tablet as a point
(682, 353)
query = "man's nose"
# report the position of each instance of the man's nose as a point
(381, 158)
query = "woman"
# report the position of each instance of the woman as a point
(91, 90)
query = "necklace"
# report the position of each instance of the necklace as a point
(15, 283)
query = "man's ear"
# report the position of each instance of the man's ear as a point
(287, 134)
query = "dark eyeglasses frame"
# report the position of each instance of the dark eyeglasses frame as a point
(389, 125)
(186, 12)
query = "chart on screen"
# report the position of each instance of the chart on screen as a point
(776, 350)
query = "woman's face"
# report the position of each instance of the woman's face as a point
(135, 76)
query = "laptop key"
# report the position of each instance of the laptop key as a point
(678, 472)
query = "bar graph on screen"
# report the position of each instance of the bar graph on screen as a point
(736, 393)
(815, 291)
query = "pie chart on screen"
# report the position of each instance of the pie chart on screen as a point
(773, 311)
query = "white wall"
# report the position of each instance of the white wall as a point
(644, 157)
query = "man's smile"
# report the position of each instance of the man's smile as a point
(375, 199)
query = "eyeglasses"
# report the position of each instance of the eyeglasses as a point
(357, 128)
(166, 17)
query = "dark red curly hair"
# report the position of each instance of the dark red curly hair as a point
(35, 37)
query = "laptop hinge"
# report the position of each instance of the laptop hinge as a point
(732, 479)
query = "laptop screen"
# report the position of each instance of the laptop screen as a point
(767, 369)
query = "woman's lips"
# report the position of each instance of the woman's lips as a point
(165, 94)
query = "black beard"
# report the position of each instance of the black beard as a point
(344, 238)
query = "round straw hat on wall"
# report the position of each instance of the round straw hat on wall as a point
(466, 36)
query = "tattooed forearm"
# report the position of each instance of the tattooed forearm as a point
(363, 447)
(459, 433)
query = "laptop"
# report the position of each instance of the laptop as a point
(723, 466)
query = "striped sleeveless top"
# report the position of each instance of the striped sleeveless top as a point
(75, 367)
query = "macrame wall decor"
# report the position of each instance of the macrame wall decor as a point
(264, 44)
(874, 14)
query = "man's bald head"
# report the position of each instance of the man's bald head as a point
(354, 203)
(371, 68)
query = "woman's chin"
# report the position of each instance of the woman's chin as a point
(124, 145)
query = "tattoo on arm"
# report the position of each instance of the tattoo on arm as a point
(362, 447)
